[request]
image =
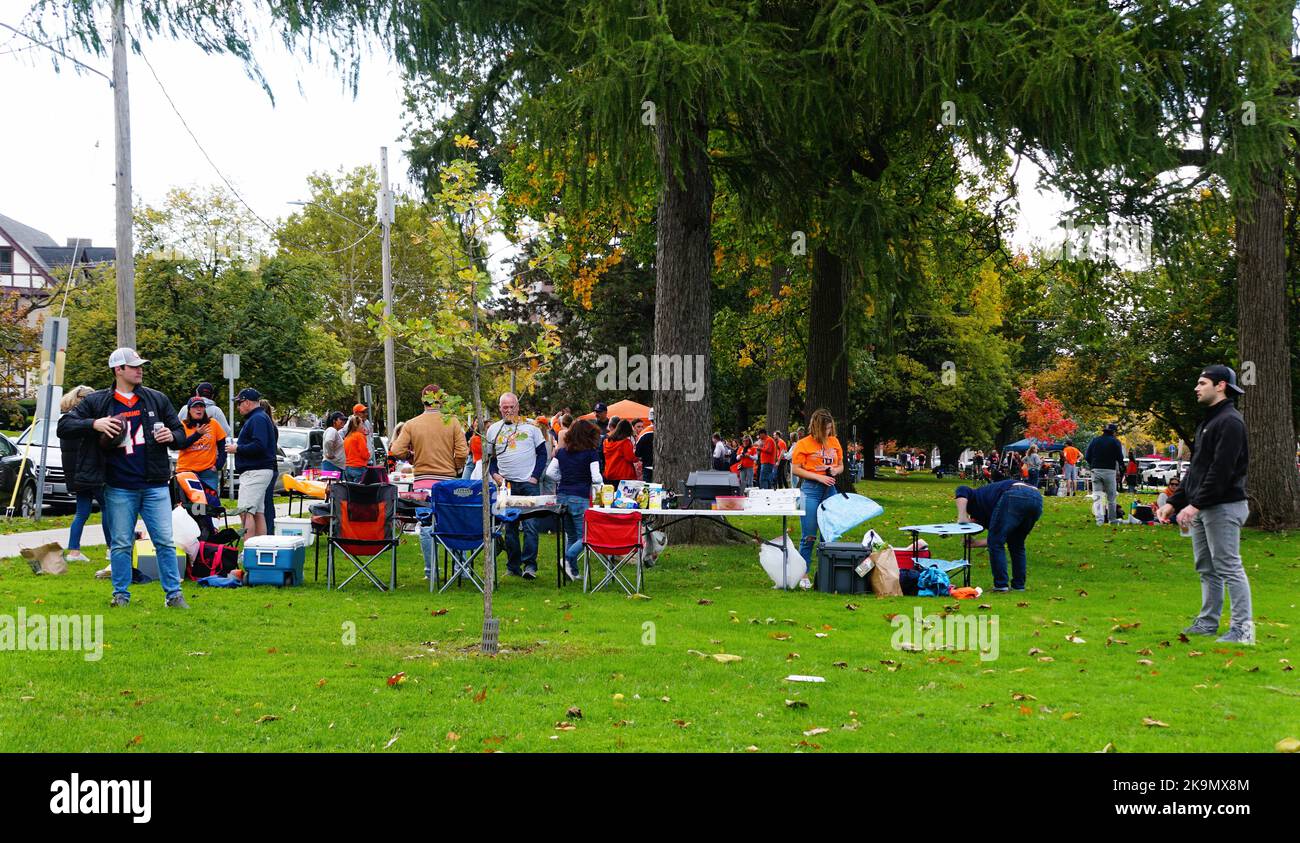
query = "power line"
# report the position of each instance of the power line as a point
(195, 138)
(227, 181)
(52, 49)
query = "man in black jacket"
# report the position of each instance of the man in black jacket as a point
(1212, 504)
(1105, 457)
(126, 431)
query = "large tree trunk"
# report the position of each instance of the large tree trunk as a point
(683, 310)
(1273, 485)
(828, 359)
(778, 388)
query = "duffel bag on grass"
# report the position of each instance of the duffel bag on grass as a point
(213, 560)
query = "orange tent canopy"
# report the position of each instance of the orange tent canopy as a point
(625, 409)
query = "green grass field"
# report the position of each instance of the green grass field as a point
(267, 669)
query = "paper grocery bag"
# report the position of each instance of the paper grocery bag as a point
(884, 574)
(46, 559)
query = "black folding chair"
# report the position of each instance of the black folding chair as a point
(363, 527)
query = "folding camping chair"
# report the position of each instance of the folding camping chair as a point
(363, 527)
(615, 540)
(202, 503)
(458, 529)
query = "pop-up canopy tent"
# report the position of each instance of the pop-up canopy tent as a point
(624, 409)
(1043, 445)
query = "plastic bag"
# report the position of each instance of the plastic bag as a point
(185, 531)
(771, 559)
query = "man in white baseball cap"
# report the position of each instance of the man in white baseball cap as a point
(128, 429)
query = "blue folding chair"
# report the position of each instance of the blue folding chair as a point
(458, 529)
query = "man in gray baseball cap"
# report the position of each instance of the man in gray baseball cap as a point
(1211, 503)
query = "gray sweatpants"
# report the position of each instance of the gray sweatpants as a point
(1103, 480)
(1216, 543)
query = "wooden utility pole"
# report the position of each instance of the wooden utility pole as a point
(122, 144)
(386, 216)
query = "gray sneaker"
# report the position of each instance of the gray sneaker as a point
(120, 600)
(177, 602)
(1239, 635)
(1199, 628)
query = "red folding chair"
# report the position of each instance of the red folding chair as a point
(615, 540)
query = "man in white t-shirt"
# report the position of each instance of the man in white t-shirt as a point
(719, 453)
(516, 453)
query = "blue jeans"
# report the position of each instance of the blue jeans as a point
(1033, 478)
(811, 495)
(529, 558)
(85, 500)
(766, 475)
(574, 507)
(326, 465)
(467, 470)
(428, 549)
(1017, 512)
(354, 474)
(154, 505)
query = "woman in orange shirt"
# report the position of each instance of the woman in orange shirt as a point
(818, 459)
(355, 450)
(203, 450)
(620, 455)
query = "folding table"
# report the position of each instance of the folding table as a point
(657, 519)
(965, 530)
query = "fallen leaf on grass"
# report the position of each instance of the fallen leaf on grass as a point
(574, 713)
(396, 679)
(1016, 695)
(1194, 653)
(751, 748)
(197, 654)
(453, 737)
(1149, 721)
(437, 612)
(136, 741)
(266, 718)
(795, 704)
(821, 635)
(986, 705)
(809, 745)
(1287, 745)
(1026, 710)
(1034, 651)
(1183, 639)
(1145, 651)
(494, 740)
(481, 695)
(985, 606)
(840, 664)
(1070, 715)
(725, 658)
(1074, 639)
(705, 602)
(321, 684)
(1146, 662)
(393, 739)
(808, 733)
(1109, 747)
(779, 636)
(852, 607)
(565, 726)
(681, 724)
(1046, 659)
(1022, 605)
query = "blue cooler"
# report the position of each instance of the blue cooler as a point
(274, 560)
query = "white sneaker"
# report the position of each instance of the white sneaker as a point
(75, 556)
(805, 583)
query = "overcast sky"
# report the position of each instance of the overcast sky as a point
(57, 139)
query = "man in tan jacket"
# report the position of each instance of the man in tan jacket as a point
(433, 443)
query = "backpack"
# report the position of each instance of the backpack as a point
(907, 579)
(213, 560)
